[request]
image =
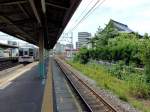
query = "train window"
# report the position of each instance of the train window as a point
(20, 52)
(25, 52)
(30, 52)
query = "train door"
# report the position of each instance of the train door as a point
(31, 53)
(20, 52)
(25, 52)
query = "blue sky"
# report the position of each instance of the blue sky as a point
(134, 13)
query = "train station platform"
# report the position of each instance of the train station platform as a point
(24, 92)
(65, 100)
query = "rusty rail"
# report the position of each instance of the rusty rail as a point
(94, 101)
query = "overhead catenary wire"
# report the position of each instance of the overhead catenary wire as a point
(89, 12)
(102, 1)
(85, 9)
(65, 38)
(85, 15)
(92, 9)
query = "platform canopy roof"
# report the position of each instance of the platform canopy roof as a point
(2, 45)
(26, 19)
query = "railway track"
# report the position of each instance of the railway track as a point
(93, 101)
(5, 64)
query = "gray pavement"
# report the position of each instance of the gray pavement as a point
(65, 99)
(24, 94)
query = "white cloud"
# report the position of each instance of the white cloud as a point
(141, 26)
(5, 37)
(125, 4)
(134, 13)
(120, 10)
(144, 14)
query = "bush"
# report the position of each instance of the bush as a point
(82, 56)
(138, 87)
(130, 90)
(116, 70)
(125, 47)
(121, 71)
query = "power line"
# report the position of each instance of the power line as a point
(98, 6)
(93, 8)
(66, 38)
(86, 14)
(85, 9)
(90, 13)
(63, 37)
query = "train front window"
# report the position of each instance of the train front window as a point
(30, 52)
(21, 52)
(25, 52)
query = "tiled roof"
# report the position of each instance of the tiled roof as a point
(121, 27)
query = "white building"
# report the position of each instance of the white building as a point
(83, 39)
(59, 48)
(69, 46)
(77, 45)
(69, 53)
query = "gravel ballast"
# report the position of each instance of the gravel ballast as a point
(114, 100)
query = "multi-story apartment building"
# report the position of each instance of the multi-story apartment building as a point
(83, 39)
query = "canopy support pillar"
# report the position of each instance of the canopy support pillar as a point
(41, 56)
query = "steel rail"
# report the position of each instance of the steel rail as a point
(67, 71)
(74, 87)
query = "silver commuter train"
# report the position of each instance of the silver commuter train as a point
(28, 54)
(9, 54)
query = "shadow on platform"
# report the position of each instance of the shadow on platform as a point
(24, 94)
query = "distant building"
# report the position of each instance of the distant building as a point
(83, 39)
(8, 50)
(12, 43)
(120, 27)
(77, 45)
(59, 48)
(69, 46)
(70, 53)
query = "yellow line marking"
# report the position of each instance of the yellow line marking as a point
(47, 105)
(4, 85)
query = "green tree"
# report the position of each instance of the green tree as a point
(82, 56)
(102, 36)
(145, 54)
(146, 36)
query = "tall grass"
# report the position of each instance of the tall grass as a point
(130, 89)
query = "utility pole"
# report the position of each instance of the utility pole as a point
(71, 44)
(68, 38)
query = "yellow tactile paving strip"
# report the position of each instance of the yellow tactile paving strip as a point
(47, 105)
